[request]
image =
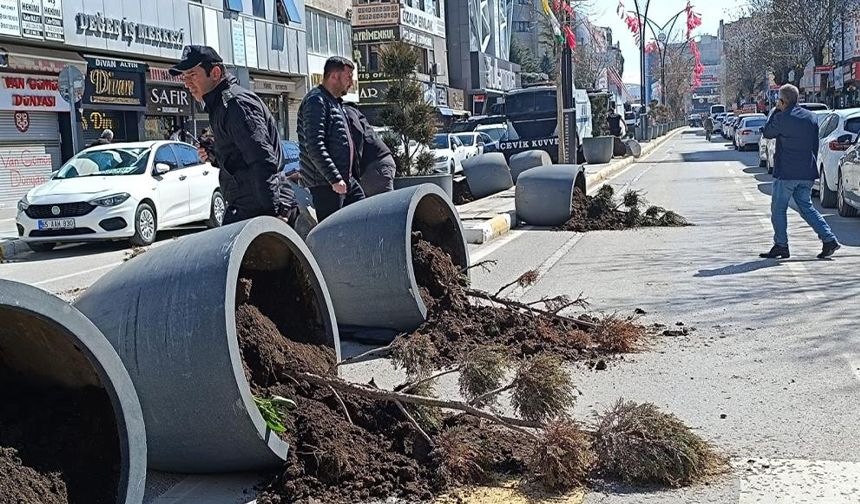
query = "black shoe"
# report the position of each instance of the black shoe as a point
(776, 252)
(829, 248)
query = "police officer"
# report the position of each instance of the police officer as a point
(247, 146)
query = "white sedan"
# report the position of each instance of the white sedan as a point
(473, 142)
(121, 191)
(748, 131)
(448, 153)
(837, 132)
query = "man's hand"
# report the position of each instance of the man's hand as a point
(204, 156)
(339, 187)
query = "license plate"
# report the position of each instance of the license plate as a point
(57, 224)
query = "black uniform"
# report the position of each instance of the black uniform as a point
(247, 150)
(375, 166)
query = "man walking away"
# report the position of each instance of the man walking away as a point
(326, 150)
(105, 138)
(376, 166)
(246, 147)
(796, 132)
(708, 124)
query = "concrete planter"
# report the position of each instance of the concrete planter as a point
(544, 194)
(528, 160)
(633, 148)
(46, 342)
(598, 150)
(444, 181)
(170, 314)
(487, 174)
(365, 254)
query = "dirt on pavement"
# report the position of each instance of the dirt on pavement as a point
(603, 213)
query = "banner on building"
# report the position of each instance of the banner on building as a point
(376, 14)
(115, 82)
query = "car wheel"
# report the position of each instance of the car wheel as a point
(825, 195)
(41, 246)
(145, 226)
(217, 211)
(844, 209)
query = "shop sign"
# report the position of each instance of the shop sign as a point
(372, 92)
(155, 74)
(32, 25)
(102, 120)
(115, 82)
(10, 18)
(376, 14)
(422, 21)
(102, 26)
(370, 76)
(166, 100)
(494, 73)
(416, 38)
(456, 99)
(273, 87)
(52, 16)
(441, 96)
(375, 35)
(23, 167)
(22, 121)
(31, 92)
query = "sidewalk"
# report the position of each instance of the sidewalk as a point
(9, 243)
(494, 216)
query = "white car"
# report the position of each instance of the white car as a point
(121, 191)
(836, 132)
(448, 153)
(767, 146)
(726, 125)
(748, 130)
(718, 121)
(473, 142)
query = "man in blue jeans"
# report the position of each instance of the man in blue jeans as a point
(794, 170)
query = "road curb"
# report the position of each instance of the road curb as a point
(10, 249)
(500, 224)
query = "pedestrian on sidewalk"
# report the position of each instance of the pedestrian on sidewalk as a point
(327, 152)
(246, 146)
(105, 138)
(795, 169)
(375, 164)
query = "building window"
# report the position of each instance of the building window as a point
(288, 11)
(328, 35)
(234, 5)
(258, 8)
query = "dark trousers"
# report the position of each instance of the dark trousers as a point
(327, 202)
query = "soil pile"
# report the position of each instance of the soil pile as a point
(603, 213)
(57, 446)
(462, 193)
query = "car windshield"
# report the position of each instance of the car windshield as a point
(467, 139)
(754, 123)
(106, 162)
(441, 142)
(495, 133)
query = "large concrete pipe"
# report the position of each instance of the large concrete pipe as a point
(365, 253)
(528, 160)
(170, 314)
(51, 352)
(487, 174)
(543, 195)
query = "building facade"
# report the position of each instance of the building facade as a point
(479, 41)
(710, 91)
(329, 33)
(420, 23)
(123, 49)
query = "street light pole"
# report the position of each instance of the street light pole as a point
(664, 49)
(642, 122)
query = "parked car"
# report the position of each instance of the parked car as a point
(727, 125)
(813, 106)
(748, 132)
(767, 146)
(121, 191)
(473, 142)
(717, 109)
(836, 132)
(848, 183)
(631, 120)
(448, 153)
(291, 157)
(718, 121)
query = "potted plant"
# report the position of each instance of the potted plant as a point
(410, 120)
(598, 149)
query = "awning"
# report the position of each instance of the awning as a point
(20, 58)
(445, 111)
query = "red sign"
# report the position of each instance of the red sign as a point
(22, 121)
(479, 98)
(21, 92)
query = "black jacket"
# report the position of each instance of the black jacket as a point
(369, 147)
(324, 141)
(248, 152)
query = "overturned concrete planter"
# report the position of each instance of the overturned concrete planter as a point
(528, 160)
(170, 314)
(487, 174)
(543, 196)
(444, 181)
(365, 254)
(44, 342)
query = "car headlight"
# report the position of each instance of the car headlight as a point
(112, 200)
(440, 159)
(23, 204)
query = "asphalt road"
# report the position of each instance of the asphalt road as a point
(771, 374)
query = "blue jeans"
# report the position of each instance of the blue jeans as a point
(801, 192)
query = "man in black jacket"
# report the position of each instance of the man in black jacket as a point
(247, 145)
(376, 166)
(327, 153)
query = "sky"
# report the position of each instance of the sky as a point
(660, 12)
